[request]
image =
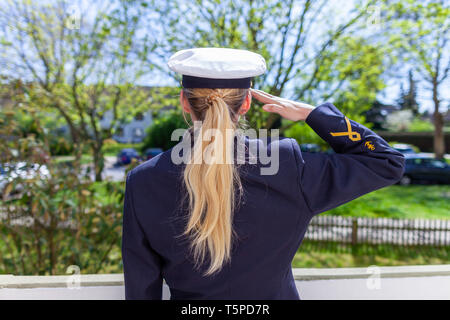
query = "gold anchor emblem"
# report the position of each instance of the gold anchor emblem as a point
(352, 135)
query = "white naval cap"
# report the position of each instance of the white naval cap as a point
(217, 67)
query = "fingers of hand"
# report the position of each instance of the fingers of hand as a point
(273, 108)
(261, 92)
(262, 96)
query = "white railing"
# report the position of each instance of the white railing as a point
(406, 282)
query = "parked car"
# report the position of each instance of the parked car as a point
(421, 168)
(152, 152)
(309, 147)
(125, 156)
(404, 148)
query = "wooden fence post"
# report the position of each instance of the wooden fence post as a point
(354, 231)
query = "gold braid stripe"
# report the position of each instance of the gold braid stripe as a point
(352, 135)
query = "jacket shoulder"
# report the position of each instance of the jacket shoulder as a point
(160, 165)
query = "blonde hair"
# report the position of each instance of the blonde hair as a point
(213, 188)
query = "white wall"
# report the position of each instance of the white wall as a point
(421, 288)
(391, 289)
(408, 282)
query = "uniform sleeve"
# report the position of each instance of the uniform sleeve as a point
(363, 161)
(141, 264)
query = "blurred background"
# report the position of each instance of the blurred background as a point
(85, 95)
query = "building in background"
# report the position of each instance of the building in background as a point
(132, 132)
(378, 114)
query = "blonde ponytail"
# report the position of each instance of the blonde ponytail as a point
(212, 186)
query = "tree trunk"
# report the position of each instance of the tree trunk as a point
(99, 163)
(77, 146)
(439, 142)
(52, 249)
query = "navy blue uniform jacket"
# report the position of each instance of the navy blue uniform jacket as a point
(270, 223)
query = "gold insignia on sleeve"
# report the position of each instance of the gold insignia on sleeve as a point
(352, 135)
(369, 145)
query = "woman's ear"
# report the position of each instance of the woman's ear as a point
(246, 105)
(184, 103)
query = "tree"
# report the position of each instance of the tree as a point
(297, 39)
(160, 132)
(407, 99)
(53, 217)
(76, 65)
(421, 32)
(357, 66)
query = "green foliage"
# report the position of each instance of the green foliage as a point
(27, 124)
(59, 222)
(94, 72)
(419, 32)
(354, 71)
(407, 100)
(54, 217)
(419, 125)
(60, 146)
(110, 146)
(304, 134)
(160, 132)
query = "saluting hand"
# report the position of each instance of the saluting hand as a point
(291, 110)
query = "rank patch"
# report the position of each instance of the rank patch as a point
(369, 145)
(352, 135)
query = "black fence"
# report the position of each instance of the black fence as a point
(352, 230)
(422, 140)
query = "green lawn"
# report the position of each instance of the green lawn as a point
(415, 201)
(85, 159)
(331, 255)
(112, 149)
